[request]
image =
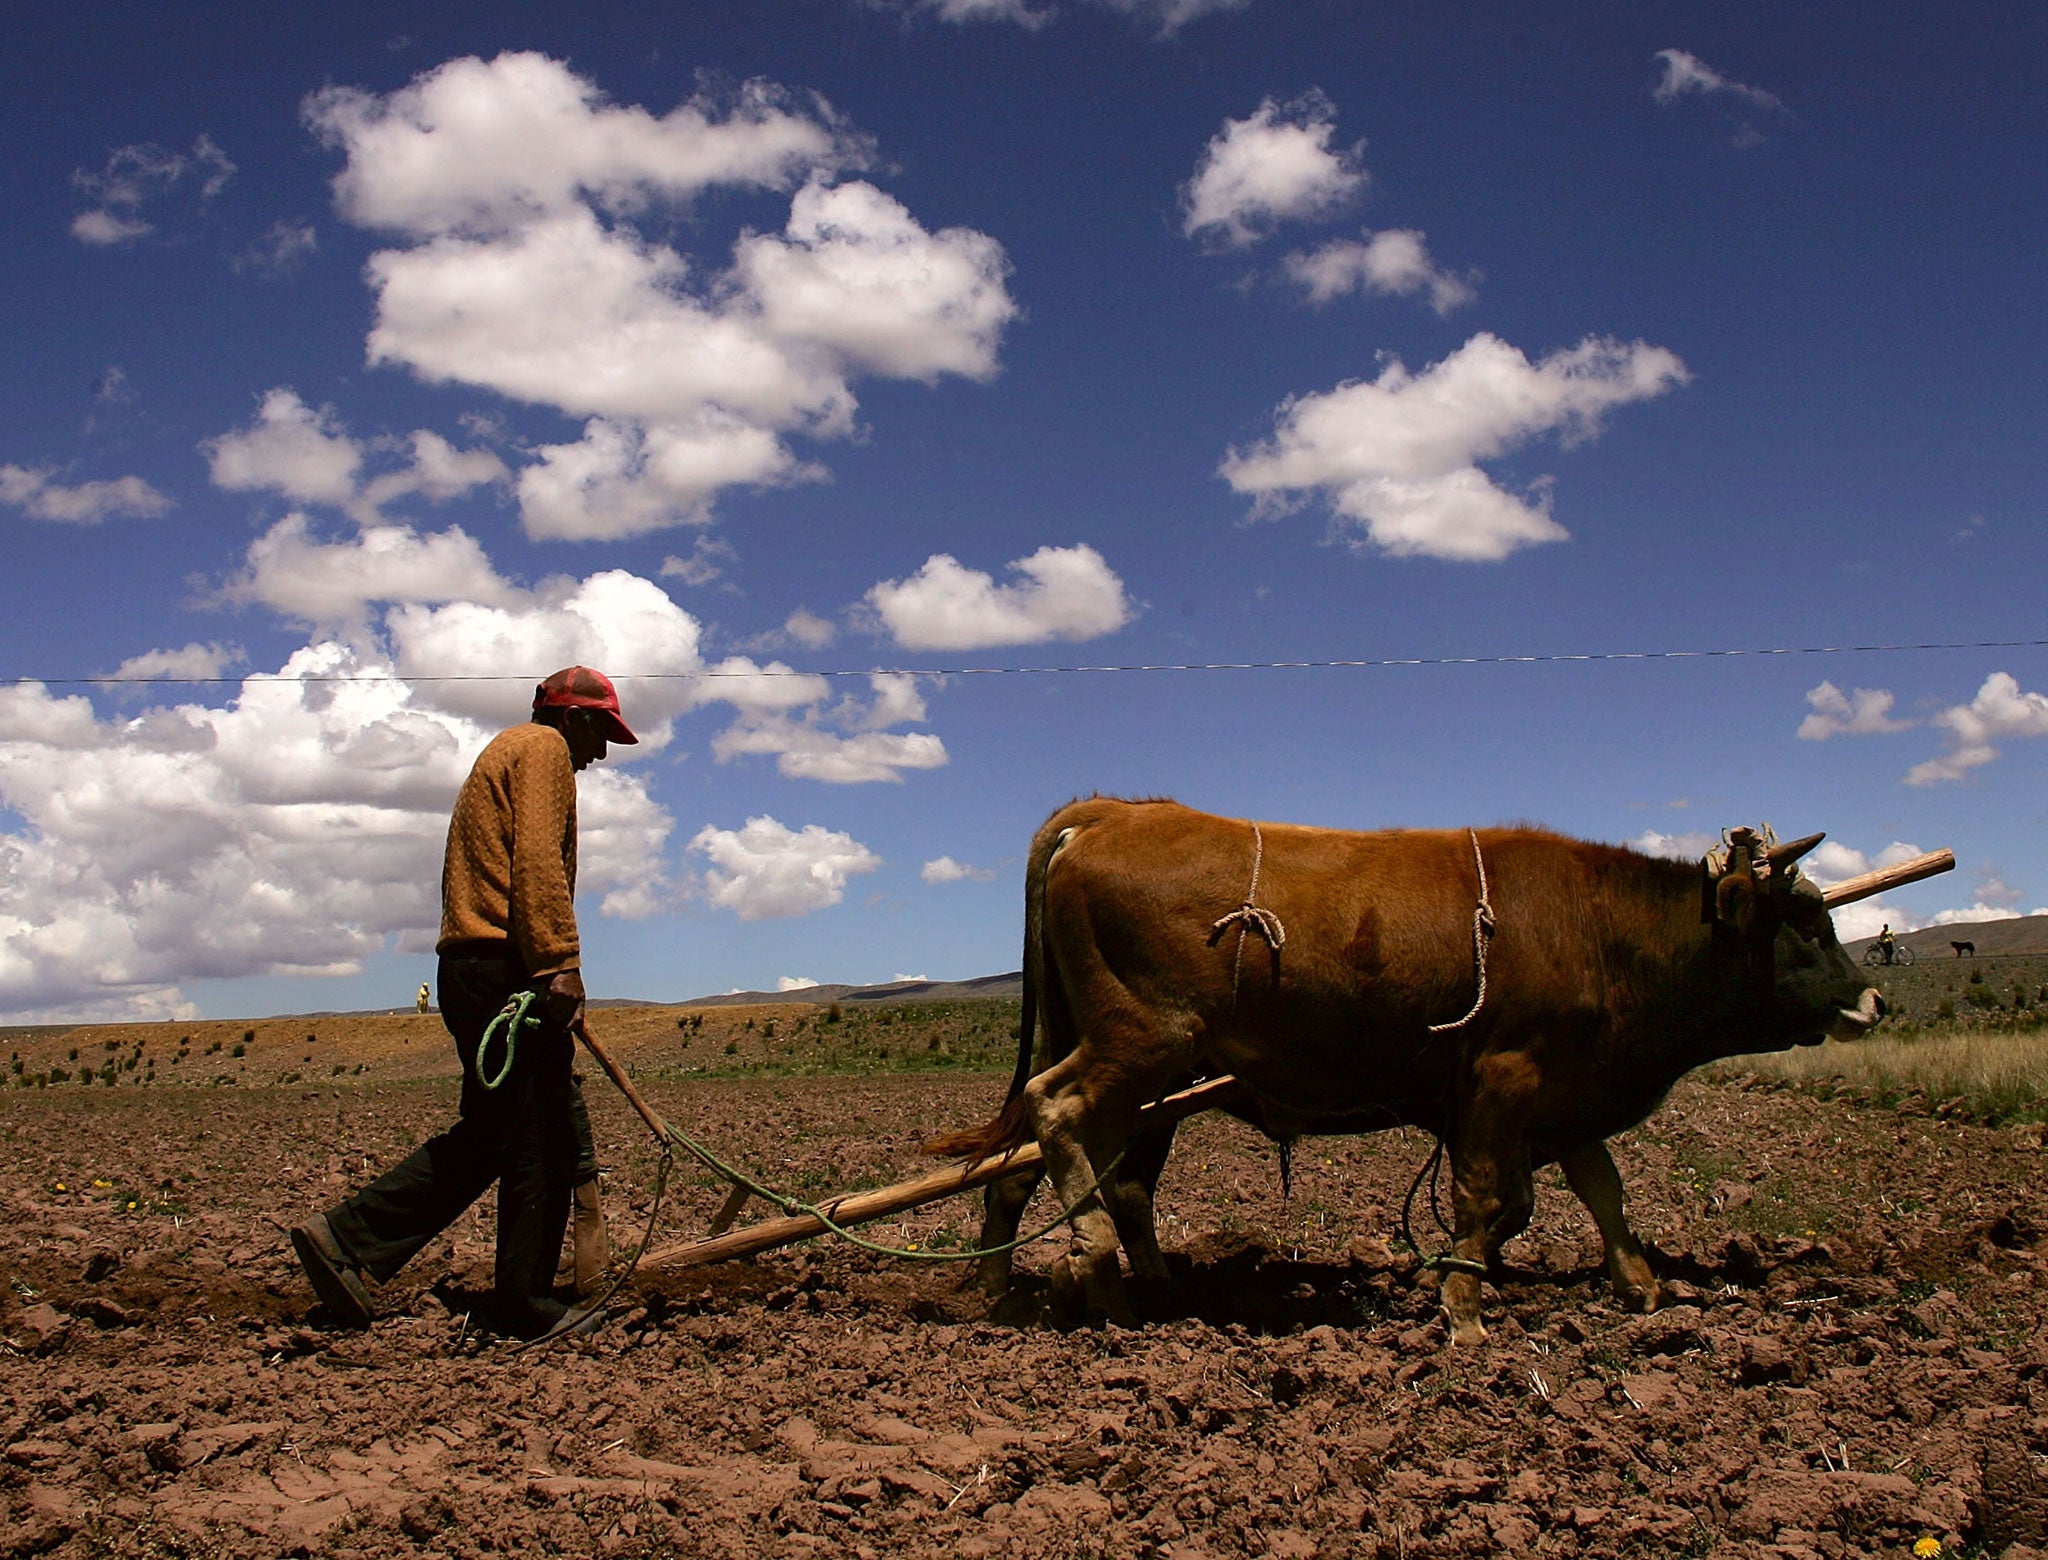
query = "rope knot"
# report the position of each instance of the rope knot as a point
(1249, 916)
(1264, 922)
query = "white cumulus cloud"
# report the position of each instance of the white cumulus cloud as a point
(1748, 108)
(1396, 458)
(533, 219)
(189, 663)
(298, 828)
(1831, 861)
(1059, 593)
(1865, 712)
(767, 871)
(1166, 17)
(37, 494)
(327, 583)
(854, 273)
(621, 479)
(141, 177)
(1688, 846)
(1276, 166)
(292, 449)
(944, 869)
(846, 743)
(2000, 712)
(1686, 75)
(292, 822)
(485, 145)
(1395, 262)
(280, 249)
(307, 455)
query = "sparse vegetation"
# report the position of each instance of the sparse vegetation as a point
(971, 1035)
(1996, 1076)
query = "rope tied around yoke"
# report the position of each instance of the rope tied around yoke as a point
(1249, 916)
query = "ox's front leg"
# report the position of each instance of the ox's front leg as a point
(1591, 1174)
(1491, 1198)
(1492, 1193)
(1069, 1135)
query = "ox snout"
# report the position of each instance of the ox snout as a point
(1856, 1022)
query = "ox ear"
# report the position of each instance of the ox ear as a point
(1735, 900)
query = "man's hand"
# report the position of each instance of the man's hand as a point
(564, 998)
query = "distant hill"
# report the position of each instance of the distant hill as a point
(2020, 936)
(2014, 935)
(992, 987)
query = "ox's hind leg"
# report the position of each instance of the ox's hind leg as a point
(1002, 1210)
(1591, 1174)
(1080, 1139)
(1130, 1194)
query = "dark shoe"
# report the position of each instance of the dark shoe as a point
(335, 1279)
(539, 1316)
(593, 1249)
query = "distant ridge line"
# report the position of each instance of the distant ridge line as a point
(979, 988)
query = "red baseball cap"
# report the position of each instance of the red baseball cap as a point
(584, 688)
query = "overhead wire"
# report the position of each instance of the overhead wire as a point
(1367, 663)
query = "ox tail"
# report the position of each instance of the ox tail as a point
(1010, 1129)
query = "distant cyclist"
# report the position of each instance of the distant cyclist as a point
(1886, 943)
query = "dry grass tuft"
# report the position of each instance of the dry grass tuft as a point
(1996, 1075)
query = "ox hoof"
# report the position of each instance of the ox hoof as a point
(1635, 1286)
(1642, 1297)
(1066, 1303)
(1468, 1333)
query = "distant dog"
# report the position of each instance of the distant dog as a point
(1962, 948)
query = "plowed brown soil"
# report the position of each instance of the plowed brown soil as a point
(1856, 1357)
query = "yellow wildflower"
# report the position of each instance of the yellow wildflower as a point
(1926, 1547)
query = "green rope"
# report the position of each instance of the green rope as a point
(512, 1017)
(1446, 1262)
(793, 1205)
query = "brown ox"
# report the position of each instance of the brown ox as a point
(1351, 1001)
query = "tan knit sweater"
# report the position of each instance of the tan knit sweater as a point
(509, 874)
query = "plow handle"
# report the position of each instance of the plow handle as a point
(617, 1074)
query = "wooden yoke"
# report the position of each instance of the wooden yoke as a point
(1849, 890)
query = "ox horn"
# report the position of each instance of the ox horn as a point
(1784, 855)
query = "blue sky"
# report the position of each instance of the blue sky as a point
(814, 365)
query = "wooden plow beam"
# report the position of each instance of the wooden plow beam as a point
(865, 1207)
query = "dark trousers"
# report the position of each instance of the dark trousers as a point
(530, 1135)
